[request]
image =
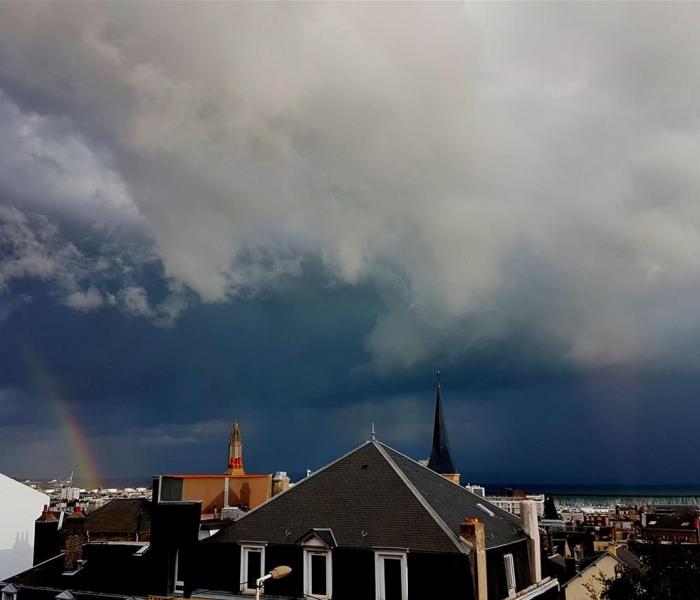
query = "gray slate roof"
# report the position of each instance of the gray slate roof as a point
(628, 559)
(121, 516)
(110, 569)
(374, 497)
(453, 503)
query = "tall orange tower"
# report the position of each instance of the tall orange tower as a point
(235, 452)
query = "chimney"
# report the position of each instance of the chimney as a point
(472, 531)
(46, 539)
(75, 538)
(280, 482)
(528, 516)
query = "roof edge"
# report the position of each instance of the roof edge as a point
(429, 509)
(296, 485)
(502, 512)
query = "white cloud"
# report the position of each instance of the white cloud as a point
(32, 249)
(135, 301)
(488, 168)
(85, 301)
(45, 161)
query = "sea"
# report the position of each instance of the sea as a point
(594, 496)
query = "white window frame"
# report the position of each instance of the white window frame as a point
(9, 595)
(511, 584)
(248, 587)
(179, 585)
(311, 550)
(379, 557)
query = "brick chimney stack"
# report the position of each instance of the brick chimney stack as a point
(472, 531)
(75, 538)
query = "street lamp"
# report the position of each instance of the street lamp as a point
(276, 573)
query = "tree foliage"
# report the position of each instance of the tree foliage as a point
(668, 572)
(550, 509)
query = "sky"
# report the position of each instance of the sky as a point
(294, 214)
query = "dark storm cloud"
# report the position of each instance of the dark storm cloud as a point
(419, 148)
(309, 205)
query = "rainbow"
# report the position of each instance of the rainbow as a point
(76, 440)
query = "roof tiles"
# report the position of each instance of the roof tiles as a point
(373, 497)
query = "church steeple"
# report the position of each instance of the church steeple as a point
(440, 459)
(235, 452)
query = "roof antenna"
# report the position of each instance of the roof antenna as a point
(437, 373)
(374, 437)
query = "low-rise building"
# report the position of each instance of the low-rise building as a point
(682, 526)
(375, 524)
(591, 579)
(220, 493)
(513, 504)
(19, 507)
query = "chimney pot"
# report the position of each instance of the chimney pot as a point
(46, 514)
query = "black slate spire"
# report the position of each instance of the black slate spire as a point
(440, 459)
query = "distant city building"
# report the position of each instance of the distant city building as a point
(479, 490)
(513, 504)
(678, 526)
(69, 494)
(19, 507)
(554, 524)
(221, 494)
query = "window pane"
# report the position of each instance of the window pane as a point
(392, 578)
(318, 574)
(254, 557)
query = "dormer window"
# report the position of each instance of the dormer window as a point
(318, 563)
(9, 592)
(252, 566)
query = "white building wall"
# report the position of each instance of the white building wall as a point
(512, 504)
(20, 506)
(580, 587)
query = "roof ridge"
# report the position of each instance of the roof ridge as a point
(413, 460)
(501, 512)
(424, 503)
